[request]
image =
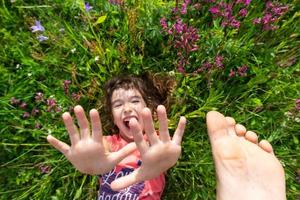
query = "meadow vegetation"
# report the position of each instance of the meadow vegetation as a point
(239, 57)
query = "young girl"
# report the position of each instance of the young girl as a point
(137, 166)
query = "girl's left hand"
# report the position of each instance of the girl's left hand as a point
(160, 154)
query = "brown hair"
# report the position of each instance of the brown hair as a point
(156, 89)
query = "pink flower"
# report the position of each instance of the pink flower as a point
(214, 10)
(243, 12)
(14, 101)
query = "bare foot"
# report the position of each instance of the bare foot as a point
(245, 169)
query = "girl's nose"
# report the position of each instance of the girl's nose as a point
(127, 108)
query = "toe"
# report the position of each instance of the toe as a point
(265, 145)
(230, 121)
(216, 125)
(251, 136)
(240, 130)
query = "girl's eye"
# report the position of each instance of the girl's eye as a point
(117, 105)
(135, 101)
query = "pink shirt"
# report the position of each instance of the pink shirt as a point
(146, 190)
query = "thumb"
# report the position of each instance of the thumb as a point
(126, 181)
(124, 152)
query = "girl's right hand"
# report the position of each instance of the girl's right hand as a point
(89, 153)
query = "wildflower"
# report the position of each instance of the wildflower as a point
(87, 7)
(256, 21)
(163, 23)
(75, 96)
(116, 2)
(73, 50)
(62, 30)
(26, 115)
(14, 101)
(242, 71)
(23, 105)
(214, 10)
(38, 27)
(245, 2)
(66, 86)
(45, 169)
(51, 103)
(42, 38)
(39, 97)
(235, 23)
(297, 102)
(35, 112)
(231, 73)
(218, 61)
(38, 126)
(243, 12)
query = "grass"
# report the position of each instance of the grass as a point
(88, 48)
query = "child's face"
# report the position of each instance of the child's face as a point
(127, 104)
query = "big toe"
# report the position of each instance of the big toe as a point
(216, 125)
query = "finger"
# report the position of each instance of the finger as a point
(59, 145)
(126, 181)
(138, 136)
(163, 124)
(96, 125)
(71, 128)
(82, 122)
(149, 127)
(177, 137)
(118, 156)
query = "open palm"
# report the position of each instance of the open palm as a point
(160, 154)
(89, 153)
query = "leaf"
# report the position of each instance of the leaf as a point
(100, 20)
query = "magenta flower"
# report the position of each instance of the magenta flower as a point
(242, 71)
(218, 61)
(235, 23)
(243, 12)
(37, 27)
(231, 73)
(214, 10)
(163, 23)
(35, 112)
(87, 7)
(38, 126)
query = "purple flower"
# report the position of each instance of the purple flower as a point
(38, 27)
(214, 10)
(231, 73)
(163, 23)
(44, 169)
(235, 23)
(218, 61)
(87, 7)
(23, 105)
(245, 2)
(75, 96)
(256, 21)
(51, 103)
(242, 71)
(39, 97)
(116, 2)
(66, 86)
(14, 101)
(35, 112)
(26, 115)
(38, 126)
(42, 38)
(297, 102)
(243, 12)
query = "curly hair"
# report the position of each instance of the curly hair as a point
(156, 89)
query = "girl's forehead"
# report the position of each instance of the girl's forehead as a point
(125, 93)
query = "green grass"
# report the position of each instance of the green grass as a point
(129, 39)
